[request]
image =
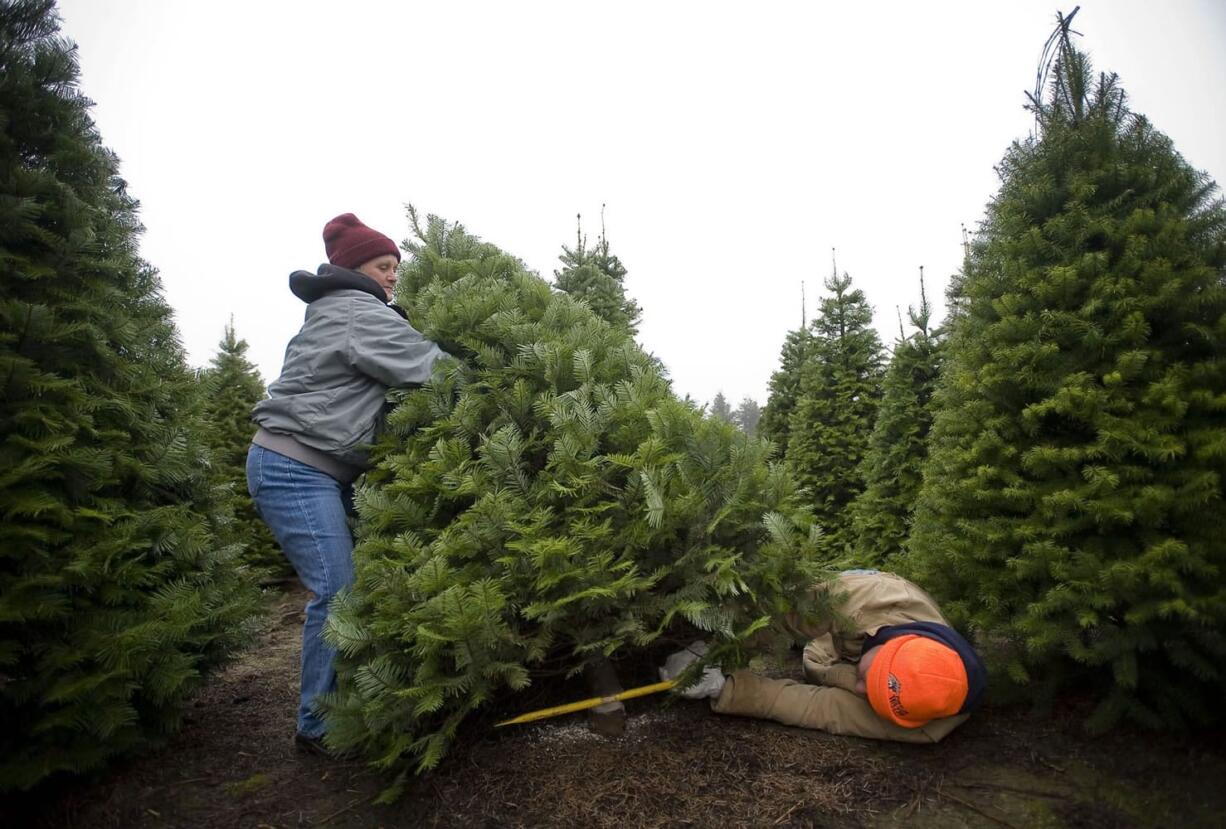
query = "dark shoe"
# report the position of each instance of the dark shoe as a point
(316, 745)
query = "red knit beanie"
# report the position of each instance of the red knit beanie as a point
(350, 244)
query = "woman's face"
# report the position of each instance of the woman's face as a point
(383, 271)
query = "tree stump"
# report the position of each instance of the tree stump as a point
(609, 718)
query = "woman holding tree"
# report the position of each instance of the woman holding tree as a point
(319, 419)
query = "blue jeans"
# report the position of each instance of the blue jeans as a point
(306, 510)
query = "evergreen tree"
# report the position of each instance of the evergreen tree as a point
(232, 386)
(893, 467)
(720, 408)
(1072, 510)
(544, 503)
(114, 594)
(785, 388)
(597, 276)
(747, 415)
(840, 386)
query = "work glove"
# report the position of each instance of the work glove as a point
(712, 680)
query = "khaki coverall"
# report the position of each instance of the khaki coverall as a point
(873, 601)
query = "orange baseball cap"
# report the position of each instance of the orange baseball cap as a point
(914, 679)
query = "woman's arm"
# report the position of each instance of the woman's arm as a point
(386, 348)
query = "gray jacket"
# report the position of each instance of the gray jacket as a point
(352, 347)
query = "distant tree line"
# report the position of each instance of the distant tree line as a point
(745, 417)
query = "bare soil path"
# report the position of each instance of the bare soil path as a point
(234, 765)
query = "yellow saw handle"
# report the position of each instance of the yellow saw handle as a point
(582, 705)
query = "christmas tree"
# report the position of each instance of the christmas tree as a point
(720, 408)
(115, 595)
(836, 406)
(232, 386)
(596, 276)
(1072, 510)
(747, 416)
(785, 388)
(543, 503)
(893, 467)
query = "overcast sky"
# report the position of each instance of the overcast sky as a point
(734, 144)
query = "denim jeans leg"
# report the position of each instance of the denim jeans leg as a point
(305, 509)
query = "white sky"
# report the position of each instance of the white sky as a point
(734, 143)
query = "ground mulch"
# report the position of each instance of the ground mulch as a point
(234, 765)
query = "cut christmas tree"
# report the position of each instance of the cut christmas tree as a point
(544, 502)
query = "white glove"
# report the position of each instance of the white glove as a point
(712, 680)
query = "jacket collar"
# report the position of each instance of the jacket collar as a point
(309, 287)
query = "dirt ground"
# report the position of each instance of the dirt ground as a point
(234, 765)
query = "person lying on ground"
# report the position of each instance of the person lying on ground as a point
(888, 667)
